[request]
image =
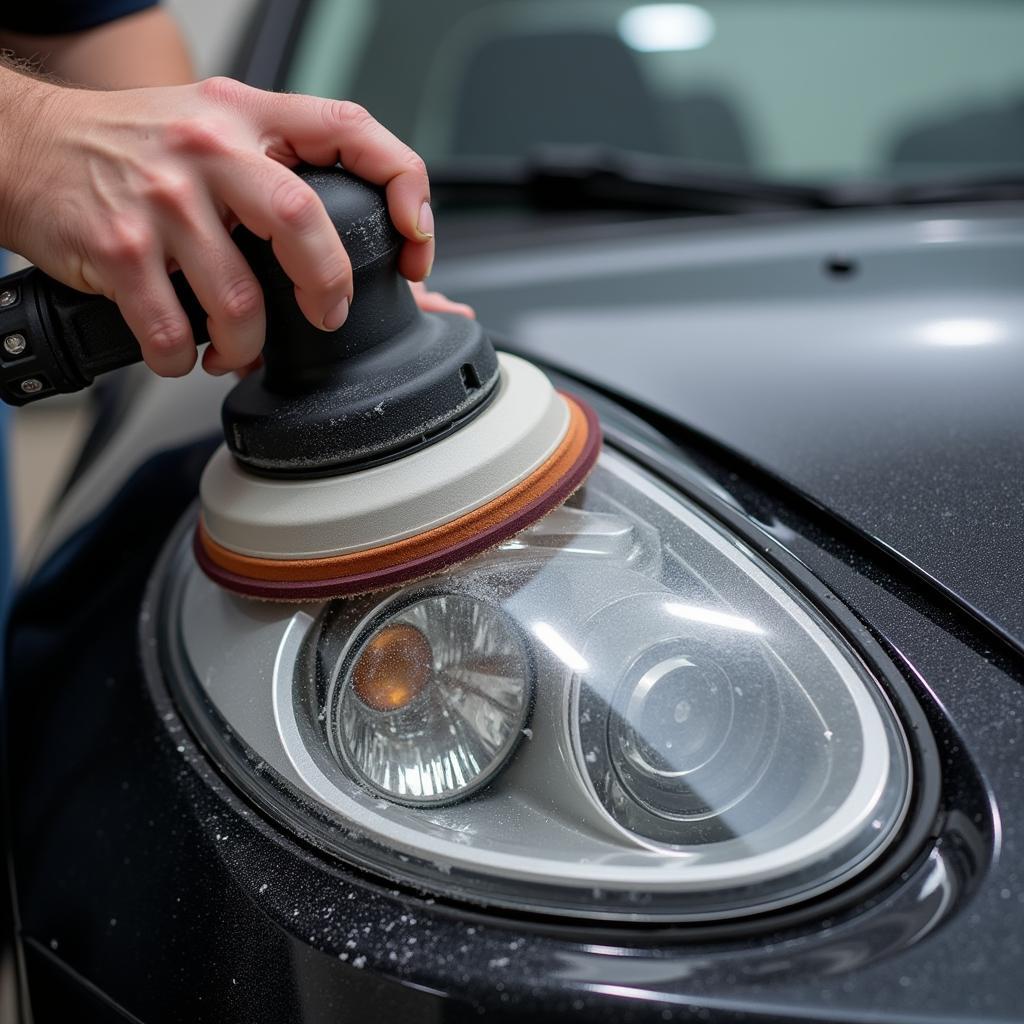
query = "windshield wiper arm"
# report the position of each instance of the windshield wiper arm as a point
(574, 177)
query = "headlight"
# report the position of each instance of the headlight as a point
(623, 712)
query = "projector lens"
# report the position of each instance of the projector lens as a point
(432, 700)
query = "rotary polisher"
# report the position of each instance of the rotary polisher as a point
(390, 449)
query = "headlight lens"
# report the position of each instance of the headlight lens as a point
(622, 713)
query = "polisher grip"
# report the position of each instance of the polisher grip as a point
(56, 340)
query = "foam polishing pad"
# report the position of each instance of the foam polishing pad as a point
(311, 539)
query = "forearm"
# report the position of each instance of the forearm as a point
(26, 101)
(139, 50)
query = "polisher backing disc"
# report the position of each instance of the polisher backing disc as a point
(313, 539)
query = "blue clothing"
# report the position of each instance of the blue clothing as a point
(52, 17)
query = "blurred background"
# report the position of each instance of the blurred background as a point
(212, 29)
(791, 89)
(872, 94)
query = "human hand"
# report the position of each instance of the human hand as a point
(436, 302)
(110, 191)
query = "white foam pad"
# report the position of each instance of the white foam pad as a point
(281, 519)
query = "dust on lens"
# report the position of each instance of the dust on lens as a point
(393, 668)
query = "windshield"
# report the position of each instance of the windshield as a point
(796, 90)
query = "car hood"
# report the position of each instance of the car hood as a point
(874, 361)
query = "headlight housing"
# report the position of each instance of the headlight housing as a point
(621, 713)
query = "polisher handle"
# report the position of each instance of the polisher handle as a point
(55, 340)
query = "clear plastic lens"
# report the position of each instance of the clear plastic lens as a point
(675, 744)
(432, 699)
(679, 741)
(622, 713)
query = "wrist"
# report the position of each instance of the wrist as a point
(32, 109)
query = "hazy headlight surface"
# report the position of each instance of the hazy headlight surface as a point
(622, 713)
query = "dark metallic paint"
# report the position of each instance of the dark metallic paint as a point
(847, 386)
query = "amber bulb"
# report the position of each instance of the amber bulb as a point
(393, 668)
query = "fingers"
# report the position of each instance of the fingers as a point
(276, 204)
(415, 260)
(324, 131)
(435, 302)
(236, 168)
(224, 284)
(134, 275)
(244, 371)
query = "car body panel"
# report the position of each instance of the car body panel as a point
(872, 360)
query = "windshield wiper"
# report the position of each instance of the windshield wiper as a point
(579, 177)
(597, 177)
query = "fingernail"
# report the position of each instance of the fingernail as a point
(216, 371)
(425, 225)
(336, 317)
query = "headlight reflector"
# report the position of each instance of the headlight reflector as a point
(430, 703)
